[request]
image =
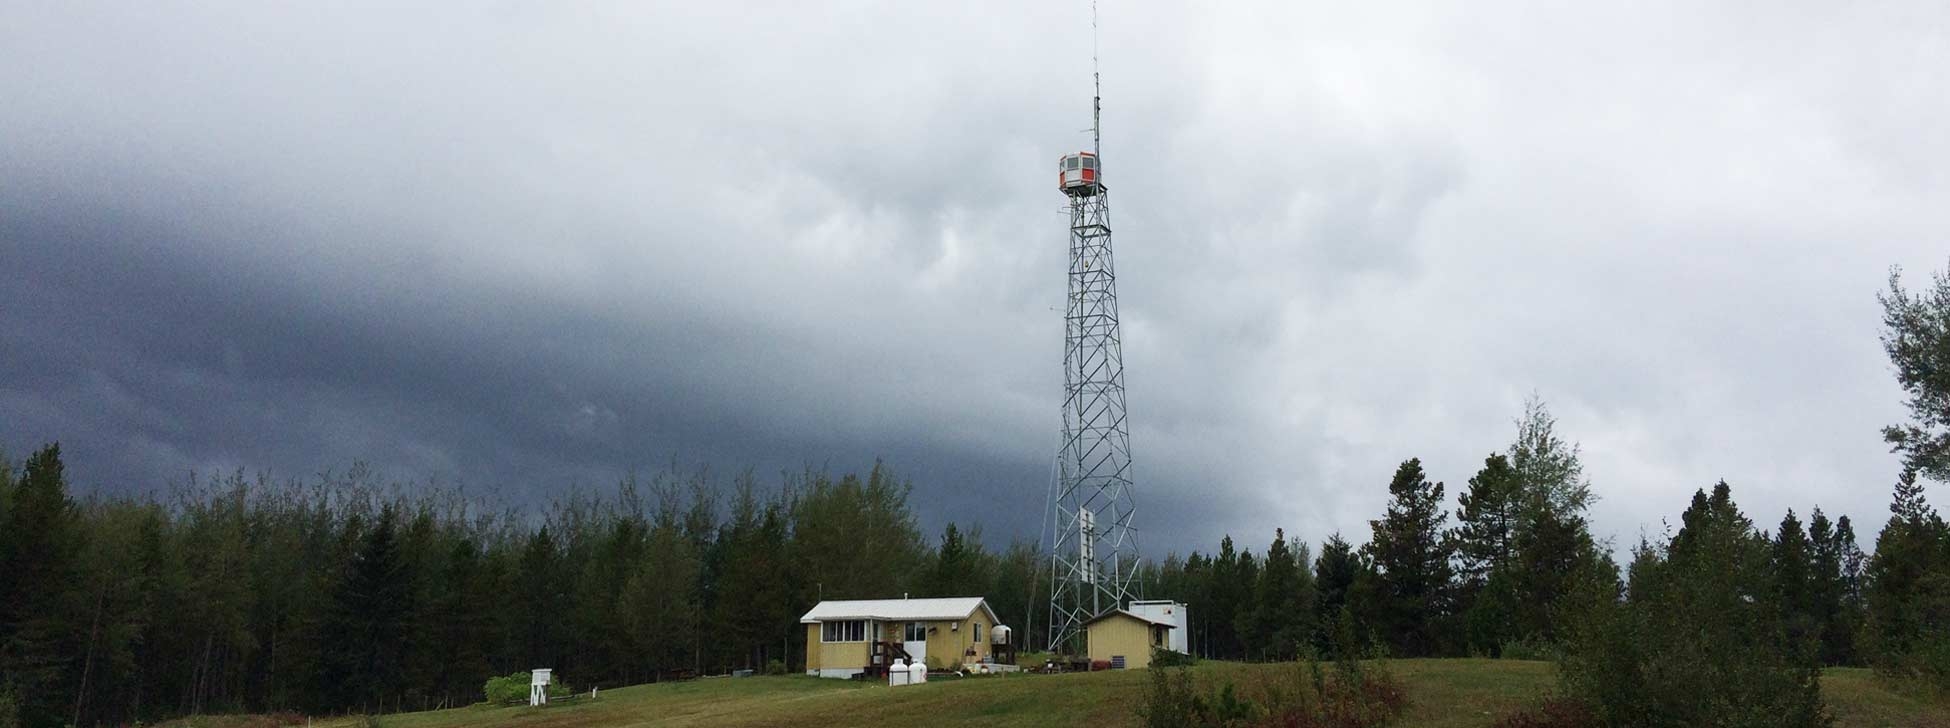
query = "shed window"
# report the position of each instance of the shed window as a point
(917, 631)
(975, 630)
(848, 631)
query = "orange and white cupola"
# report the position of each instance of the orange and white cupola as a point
(1076, 174)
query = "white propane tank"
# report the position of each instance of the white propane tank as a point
(999, 634)
(917, 673)
(897, 673)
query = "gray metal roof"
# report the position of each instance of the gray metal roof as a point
(939, 609)
(1132, 615)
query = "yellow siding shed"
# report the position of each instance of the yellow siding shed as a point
(1123, 634)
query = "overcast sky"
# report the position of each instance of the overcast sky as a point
(526, 246)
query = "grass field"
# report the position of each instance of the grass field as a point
(1444, 693)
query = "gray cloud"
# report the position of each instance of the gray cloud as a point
(533, 246)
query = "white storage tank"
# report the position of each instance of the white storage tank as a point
(999, 634)
(897, 674)
(1166, 610)
(917, 673)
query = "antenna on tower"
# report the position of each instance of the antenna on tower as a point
(1096, 96)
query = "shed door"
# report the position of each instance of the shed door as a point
(916, 641)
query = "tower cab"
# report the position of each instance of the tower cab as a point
(1076, 174)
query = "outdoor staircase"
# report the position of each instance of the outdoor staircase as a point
(882, 655)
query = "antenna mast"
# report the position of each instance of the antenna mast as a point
(1096, 97)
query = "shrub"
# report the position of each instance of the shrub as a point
(1161, 657)
(1552, 712)
(1307, 696)
(775, 667)
(1699, 641)
(513, 688)
(9, 709)
(507, 689)
(1532, 648)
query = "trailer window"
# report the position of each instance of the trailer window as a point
(847, 631)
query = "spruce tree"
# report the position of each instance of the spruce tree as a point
(38, 563)
(375, 605)
(1412, 562)
(1246, 587)
(1224, 597)
(1697, 642)
(1335, 572)
(1796, 591)
(1835, 618)
(1487, 517)
(1908, 588)
(1281, 617)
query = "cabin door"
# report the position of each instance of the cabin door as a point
(915, 641)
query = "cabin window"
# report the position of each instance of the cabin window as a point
(854, 630)
(917, 631)
(975, 631)
(1074, 162)
(1089, 162)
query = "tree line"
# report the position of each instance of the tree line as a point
(1486, 578)
(1720, 622)
(348, 594)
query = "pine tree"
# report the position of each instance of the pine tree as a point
(1412, 562)
(1696, 643)
(1916, 336)
(1908, 588)
(1796, 591)
(1487, 517)
(38, 637)
(375, 605)
(1828, 591)
(1335, 572)
(957, 565)
(539, 603)
(1224, 597)
(1854, 565)
(1246, 586)
(1281, 617)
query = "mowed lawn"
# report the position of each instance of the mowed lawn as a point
(1444, 693)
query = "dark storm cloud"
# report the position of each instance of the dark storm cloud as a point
(532, 246)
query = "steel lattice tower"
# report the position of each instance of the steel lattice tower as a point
(1094, 557)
